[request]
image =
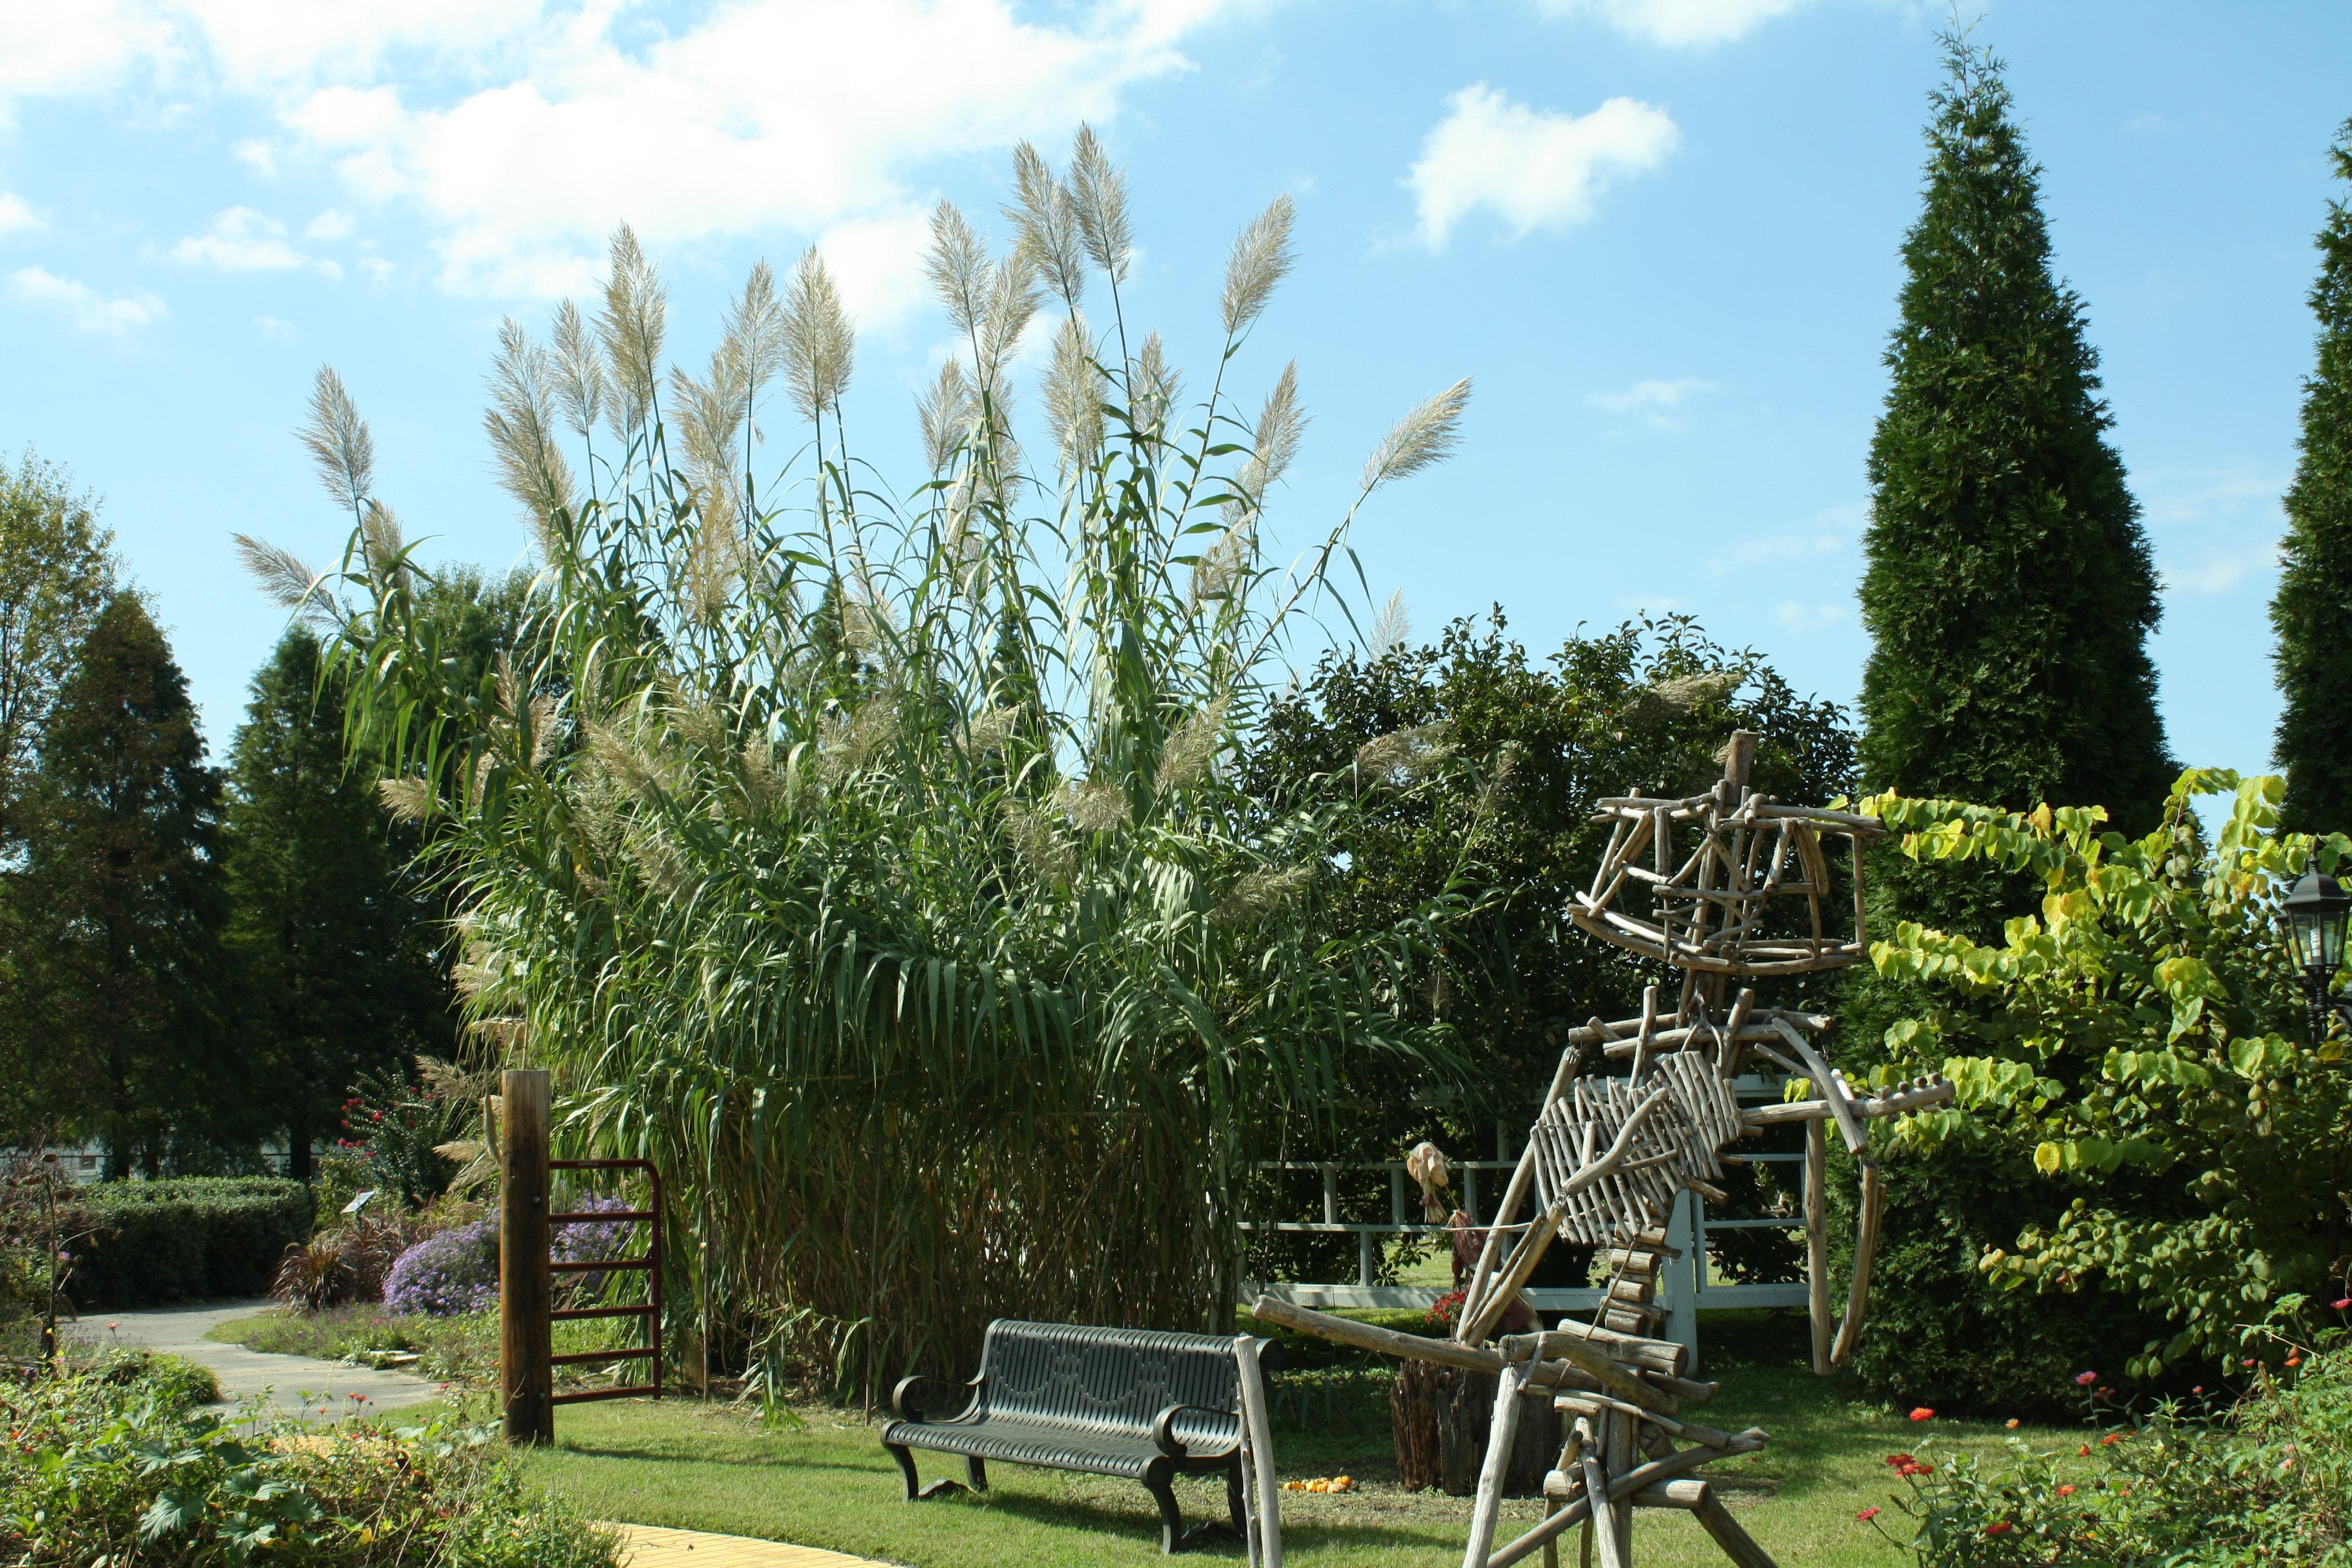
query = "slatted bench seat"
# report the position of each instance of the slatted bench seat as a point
(1134, 1403)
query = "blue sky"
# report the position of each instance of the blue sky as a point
(1661, 235)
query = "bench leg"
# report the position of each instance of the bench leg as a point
(1235, 1504)
(916, 1490)
(906, 1468)
(977, 1469)
(1157, 1479)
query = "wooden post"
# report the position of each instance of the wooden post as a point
(525, 1375)
(1817, 1244)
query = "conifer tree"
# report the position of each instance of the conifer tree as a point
(333, 945)
(2010, 593)
(2314, 601)
(119, 904)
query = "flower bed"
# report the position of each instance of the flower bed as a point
(92, 1470)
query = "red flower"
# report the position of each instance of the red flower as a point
(1999, 1527)
(2085, 1379)
(2111, 1438)
(2344, 1303)
(1898, 1461)
(1866, 1516)
(1922, 1414)
(2065, 1491)
(2087, 1450)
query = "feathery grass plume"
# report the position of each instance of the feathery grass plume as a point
(631, 326)
(1094, 805)
(1402, 756)
(546, 729)
(947, 410)
(819, 347)
(1013, 300)
(1498, 778)
(710, 571)
(1184, 760)
(957, 265)
(852, 741)
(658, 859)
(1260, 259)
(408, 799)
(1221, 566)
(1425, 436)
(755, 331)
(338, 441)
(580, 385)
(383, 543)
(1098, 197)
(1038, 841)
(991, 731)
(521, 421)
(708, 414)
(281, 575)
(1393, 628)
(1074, 395)
(1262, 893)
(1274, 445)
(1153, 385)
(1685, 692)
(1048, 225)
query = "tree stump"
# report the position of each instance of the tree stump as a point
(1441, 1415)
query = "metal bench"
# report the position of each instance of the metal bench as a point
(1105, 1402)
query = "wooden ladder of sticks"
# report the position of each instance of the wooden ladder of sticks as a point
(1738, 887)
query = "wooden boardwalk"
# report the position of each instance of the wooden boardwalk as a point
(651, 1546)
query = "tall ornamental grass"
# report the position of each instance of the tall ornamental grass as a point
(870, 858)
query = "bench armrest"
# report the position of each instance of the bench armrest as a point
(1164, 1426)
(903, 1401)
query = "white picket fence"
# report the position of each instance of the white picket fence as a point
(1684, 1289)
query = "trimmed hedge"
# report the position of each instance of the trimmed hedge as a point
(191, 1238)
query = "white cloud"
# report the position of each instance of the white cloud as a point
(1650, 395)
(274, 326)
(82, 305)
(1802, 618)
(1830, 531)
(243, 240)
(329, 225)
(1676, 23)
(18, 218)
(1534, 168)
(522, 131)
(85, 45)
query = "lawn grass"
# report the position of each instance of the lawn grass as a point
(827, 1483)
(456, 1349)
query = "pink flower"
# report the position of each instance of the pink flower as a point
(2085, 1379)
(2341, 1305)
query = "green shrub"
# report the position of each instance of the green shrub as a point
(175, 1382)
(2268, 1482)
(98, 1472)
(185, 1239)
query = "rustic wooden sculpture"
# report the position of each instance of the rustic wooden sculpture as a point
(1749, 894)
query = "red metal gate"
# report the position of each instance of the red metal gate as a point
(650, 1310)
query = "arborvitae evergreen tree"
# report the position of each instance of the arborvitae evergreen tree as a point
(120, 905)
(2315, 591)
(2010, 595)
(333, 946)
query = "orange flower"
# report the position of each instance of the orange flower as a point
(2110, 1438)
(1866, 1516)
(1922, 1414)
(2012, 1423)
(2066, 1491)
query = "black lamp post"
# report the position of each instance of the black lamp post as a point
(2316, 912)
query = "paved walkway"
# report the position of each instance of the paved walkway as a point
(241, 1371)
(650, 1546)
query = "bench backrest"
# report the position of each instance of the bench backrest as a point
(1109, 1380)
